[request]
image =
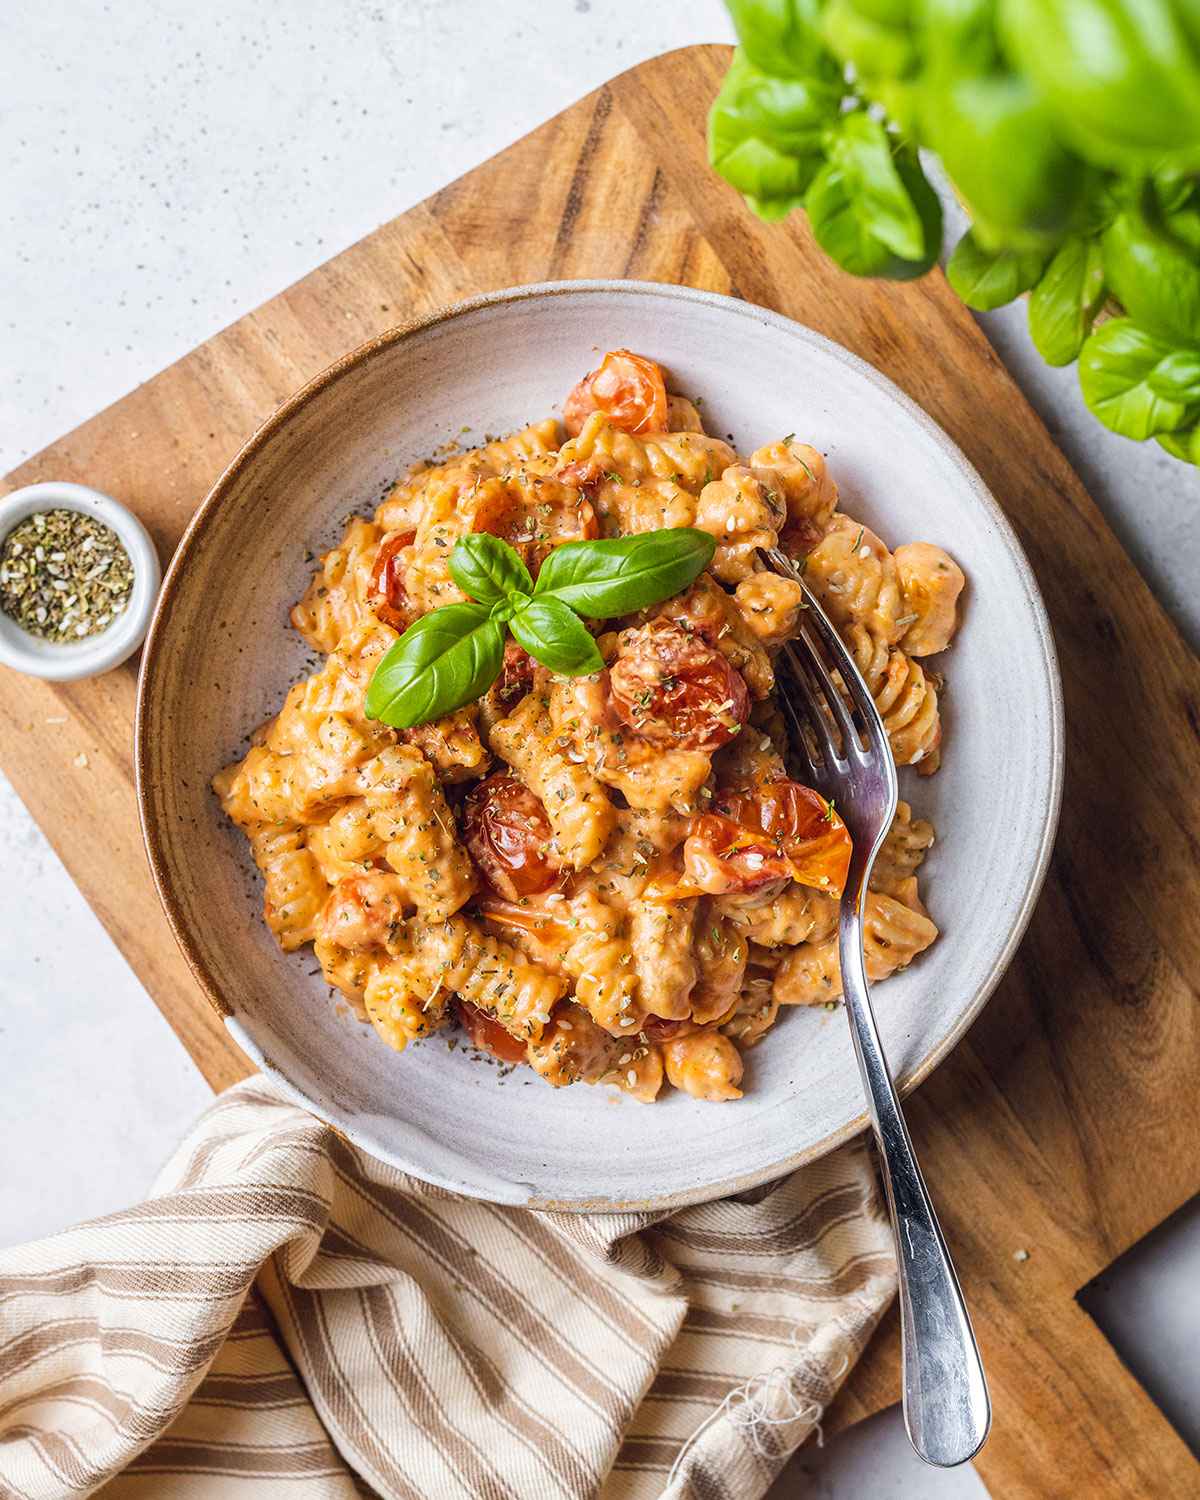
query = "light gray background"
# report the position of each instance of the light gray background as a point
(169, 166)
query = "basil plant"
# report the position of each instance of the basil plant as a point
(1070, 130)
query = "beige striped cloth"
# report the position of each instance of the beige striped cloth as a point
(288, 1317)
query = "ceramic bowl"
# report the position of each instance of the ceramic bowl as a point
(221, 654)
(68, 662)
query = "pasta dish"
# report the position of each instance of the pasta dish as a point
(597, 862)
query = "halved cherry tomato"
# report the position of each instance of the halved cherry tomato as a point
(658, 1029)
(508, 835)
(585, 475)
(534, 518)
(776, 830)
(628, 388)
(799, 537)
(516, 675)
(486, 1033)
(387, 594)
(672, 687)
(531, 919)
(360, 910)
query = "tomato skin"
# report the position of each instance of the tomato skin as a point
(487, 1034)
(670, 686)
(516, 675)
(528, 919)
(360, 910)
(534, 518)
(628, 388)
(507, 834)
(775, 830)
(508, 517)
(658, 1029)
(798, 538)
(386, 591)
(585, 475)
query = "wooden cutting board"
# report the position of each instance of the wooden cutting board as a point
(1066, 1126)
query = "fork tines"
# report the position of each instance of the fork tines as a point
(832, 713)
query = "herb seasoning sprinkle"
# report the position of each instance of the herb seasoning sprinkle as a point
(64, 575)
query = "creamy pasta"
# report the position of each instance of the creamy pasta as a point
(611, 878)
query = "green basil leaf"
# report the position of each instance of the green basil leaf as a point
(504, 609)
(556, 636)
(997, 142)
(985, 280)
(1174, 187)
(488, 569)
(1183, 445)
(772, 210)
(900, 100)
(958, 36)
(875, 38)
(1122, 79)
(1064, 303)
(1155, 276)
(843, 228)
(1115, 366)
(615, 577)
(1183, 225)
(866, 155)
(449, 657)
(783, 38)
(765, 134)
(1177, 377)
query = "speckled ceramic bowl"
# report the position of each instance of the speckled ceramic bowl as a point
(72, 660)
(220, 656)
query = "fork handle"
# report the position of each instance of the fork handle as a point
(947, 1411)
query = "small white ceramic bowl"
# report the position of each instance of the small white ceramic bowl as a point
(59, 662)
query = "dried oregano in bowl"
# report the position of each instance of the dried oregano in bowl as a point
(64, 575)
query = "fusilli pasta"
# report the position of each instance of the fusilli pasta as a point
(653, 946)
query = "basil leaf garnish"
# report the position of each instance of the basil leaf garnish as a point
(556, 636)
(488, 569)
(451, 656)
(615, 577)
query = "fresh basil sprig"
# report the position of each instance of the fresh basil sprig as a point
(452, 655)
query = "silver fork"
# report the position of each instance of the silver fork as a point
(947, 1410)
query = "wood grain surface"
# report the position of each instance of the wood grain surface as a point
(1066, 1125)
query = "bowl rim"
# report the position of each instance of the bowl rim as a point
(154, 663)
(72, 661)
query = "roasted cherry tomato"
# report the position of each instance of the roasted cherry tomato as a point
(778, 830)
(586, 475)
(536, 521)
(508, 835)
(799, 537)
(530, 918)
(627, 388)
(360, 910)
(516, 676)
(658, 1029)
(486, 1033)
(672, 687)
(388, 598)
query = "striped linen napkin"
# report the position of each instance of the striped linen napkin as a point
(287, 1316)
